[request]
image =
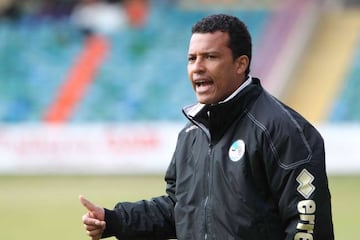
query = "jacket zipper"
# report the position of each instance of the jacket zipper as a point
(209, 191)
(207, 133)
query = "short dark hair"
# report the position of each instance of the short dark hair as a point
(239, 36)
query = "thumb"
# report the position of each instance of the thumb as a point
(87, 204)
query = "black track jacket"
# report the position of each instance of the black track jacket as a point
(247, 169)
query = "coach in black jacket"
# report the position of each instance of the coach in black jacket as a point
(245, 167)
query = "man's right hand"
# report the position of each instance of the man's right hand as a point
(93, 220)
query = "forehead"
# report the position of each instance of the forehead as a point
(217, 41)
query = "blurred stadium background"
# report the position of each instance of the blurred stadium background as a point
(91, 94)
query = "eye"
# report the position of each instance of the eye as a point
(191, 59)
(211, 56)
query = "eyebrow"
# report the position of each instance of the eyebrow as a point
(205, 53)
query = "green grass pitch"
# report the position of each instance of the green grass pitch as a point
(47, 207)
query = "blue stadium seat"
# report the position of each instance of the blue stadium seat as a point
(142, 78)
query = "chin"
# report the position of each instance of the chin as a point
(205, 101)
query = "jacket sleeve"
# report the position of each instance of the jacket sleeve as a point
(145, 219)
(297, 177)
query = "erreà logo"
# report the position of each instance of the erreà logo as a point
(305, 180)
(306, 208)
(237, 150)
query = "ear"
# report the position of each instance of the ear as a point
(242, 63)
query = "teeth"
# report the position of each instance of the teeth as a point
(200, 83)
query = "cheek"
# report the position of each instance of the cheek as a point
(221, 75)
(226, 82)
(222, 70)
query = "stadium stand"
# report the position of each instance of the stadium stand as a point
(142, 78)
(34, 59)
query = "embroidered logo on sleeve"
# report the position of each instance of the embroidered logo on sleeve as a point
(305, 179)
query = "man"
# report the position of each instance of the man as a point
(245, 166)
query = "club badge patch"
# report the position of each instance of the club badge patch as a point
(237, 150)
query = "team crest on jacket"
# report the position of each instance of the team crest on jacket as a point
(237, 150)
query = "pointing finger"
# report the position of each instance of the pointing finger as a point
(87, 204)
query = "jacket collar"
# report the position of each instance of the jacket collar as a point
(217, 118)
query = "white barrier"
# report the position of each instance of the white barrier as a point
(129, 148)
(342, 147)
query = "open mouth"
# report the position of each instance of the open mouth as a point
(203, 83)
(203, 86)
